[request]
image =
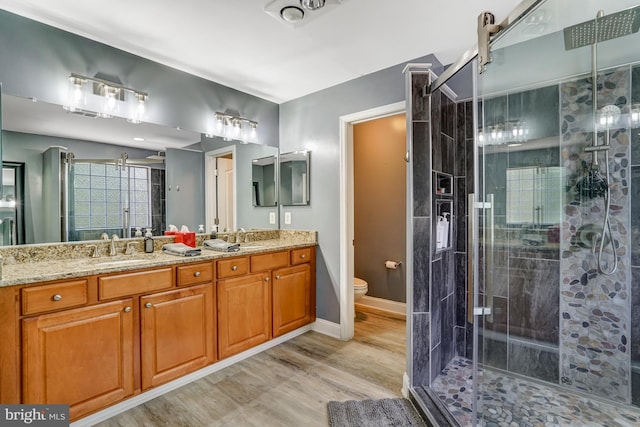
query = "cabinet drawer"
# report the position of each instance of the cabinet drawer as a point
(269, 261)
(55, 296)
(233, 267)
(300, 256)
(134, 283)
(195, 273)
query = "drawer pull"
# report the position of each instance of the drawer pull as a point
(266, 279)
(197, 274)
(277, 277)
(148, 305)
(303, 256)
(127, 309)
(234, 267)
(57, 297)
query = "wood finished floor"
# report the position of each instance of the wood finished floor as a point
(288, 385)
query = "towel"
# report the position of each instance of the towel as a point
(221, 245)
(180, 249)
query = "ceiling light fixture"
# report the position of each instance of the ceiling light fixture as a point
(105, 98)
(312, 4)
(232, 127)
(292, 14)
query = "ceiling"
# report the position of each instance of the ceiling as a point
(238, 44)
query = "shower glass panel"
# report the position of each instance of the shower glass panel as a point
(559, 175)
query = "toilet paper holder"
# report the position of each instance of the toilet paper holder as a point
(393, 265)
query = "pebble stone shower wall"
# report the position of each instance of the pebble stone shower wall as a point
(595, 308)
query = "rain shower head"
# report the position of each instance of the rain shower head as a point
(609, 27)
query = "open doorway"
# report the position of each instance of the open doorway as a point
(347, 235)
(220, 188)
(379, 170)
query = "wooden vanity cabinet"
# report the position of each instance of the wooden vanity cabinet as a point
(82, 356)
(275, 296)
(244, 313)
(96, 340)
(177, 333)
(291, 298)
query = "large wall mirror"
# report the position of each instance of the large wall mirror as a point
(294, 178)
(92, 194)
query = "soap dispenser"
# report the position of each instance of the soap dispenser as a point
(444, 223)
(148, 241)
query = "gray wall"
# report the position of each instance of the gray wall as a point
(312, 123)
(37, 59)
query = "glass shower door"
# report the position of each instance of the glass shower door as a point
(106, 197)
(555, 176)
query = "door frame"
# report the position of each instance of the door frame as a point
(347, 311)
(210, 183)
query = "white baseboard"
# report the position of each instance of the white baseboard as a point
(382, 306)
(405, 385)
(327, 328)
(177, 383)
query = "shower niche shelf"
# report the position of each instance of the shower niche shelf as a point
(443, 184)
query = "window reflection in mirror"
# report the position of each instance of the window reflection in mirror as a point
(263, 173)
(294, 178)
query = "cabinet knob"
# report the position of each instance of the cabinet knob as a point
(148, 305)
(57, 297)
(197, 274)
(127, 309)
(266, 279)
(303, 256)
(234, 267)
(277, 277)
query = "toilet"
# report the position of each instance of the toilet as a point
(360, 288)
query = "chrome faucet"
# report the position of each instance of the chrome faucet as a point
(112, 249)
(95, 253)
(130, 249)
(240, 234)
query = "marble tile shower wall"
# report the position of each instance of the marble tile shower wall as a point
(419, 107)
(442, 144)
(443, 292)
(596, 308)
(635, 243)
(522, 335)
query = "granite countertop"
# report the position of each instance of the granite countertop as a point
(57, 265)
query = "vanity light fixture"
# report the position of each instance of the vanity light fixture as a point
(232, 127)
(105, 98)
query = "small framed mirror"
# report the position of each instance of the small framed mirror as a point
(294, 178)
(263, 174)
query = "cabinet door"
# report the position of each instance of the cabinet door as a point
(244, 313)
(178, 333)
(81, 357)
(291, 298)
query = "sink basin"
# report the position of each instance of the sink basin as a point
(116, 263)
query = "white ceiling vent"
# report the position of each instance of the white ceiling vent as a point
(294, 14)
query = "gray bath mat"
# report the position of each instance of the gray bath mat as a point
(374, 413)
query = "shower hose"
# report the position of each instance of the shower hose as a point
(606, 225)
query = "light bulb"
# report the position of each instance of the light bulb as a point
(77, 93)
